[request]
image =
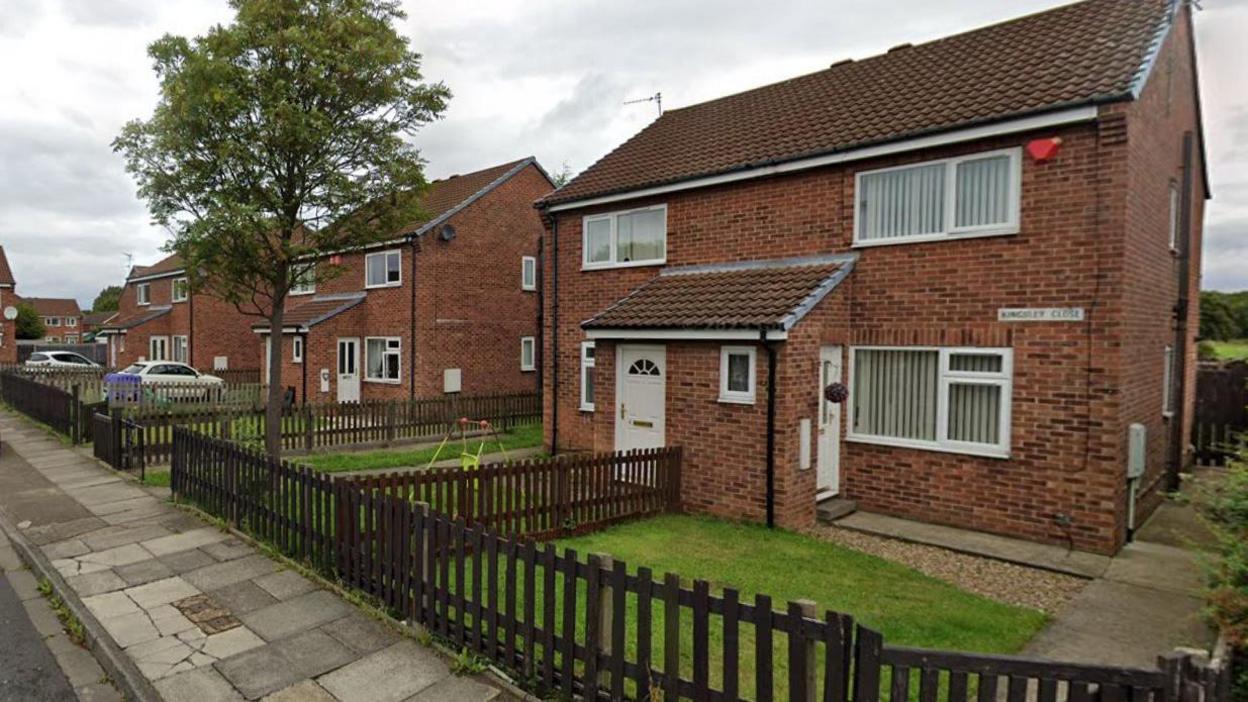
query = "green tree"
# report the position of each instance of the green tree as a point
(29, 323)
(108, 300)
(563, 175)
(281, 136)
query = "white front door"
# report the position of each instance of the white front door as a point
(348, 370)
(158, 348)
(828, 476)
(641, 382)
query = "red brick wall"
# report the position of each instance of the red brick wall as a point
(8, 328)
(1075, 387)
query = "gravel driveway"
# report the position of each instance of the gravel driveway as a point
(997, 580)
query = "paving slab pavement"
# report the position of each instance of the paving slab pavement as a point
(200, 613)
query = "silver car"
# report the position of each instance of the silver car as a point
(59, 359)
(172, 380)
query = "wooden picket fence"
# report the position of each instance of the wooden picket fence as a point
(320, 427)
(1221, 411)
(590, 627)
(118, 442)
(48, 404)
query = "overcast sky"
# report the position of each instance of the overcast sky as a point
(537, 77)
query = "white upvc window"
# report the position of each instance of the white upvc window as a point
(737, 374)
(940, 399)
(178, 290)
(620, 239)
(1167, 383)
(304, 282)
(71, 338)
(1175, 208)
(528, 273)
(158, 348)
(296, 349)
(587, 376)
(180, 349)
(52, 321)
(71, 321)
(143, 293)
(383, 269)
(974, 195)
(528, 353)
(383, 359)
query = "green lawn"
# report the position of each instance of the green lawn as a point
(1230, 350)
(156, 478)
(519, 437)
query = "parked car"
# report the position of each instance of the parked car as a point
(173, 381)
(59, 359)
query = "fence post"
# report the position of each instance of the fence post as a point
(1173, 664)
(75, 416)
(867, 665)
(603, 606)
(309, 429)
(391, 419)
(802, 661)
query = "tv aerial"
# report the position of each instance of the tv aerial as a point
(657, 99)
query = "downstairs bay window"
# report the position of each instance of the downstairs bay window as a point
(381, 359)
(943, 399)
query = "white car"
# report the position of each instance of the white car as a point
(59, 359)
(173, 380)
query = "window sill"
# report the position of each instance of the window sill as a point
(292, 293)
(986, 452)
(629, 264)
(586, 408)
(384, 285)
(928, 238)
(384, 381)
(528, 289)
(729, 400)
(177, 302)
(528, 370)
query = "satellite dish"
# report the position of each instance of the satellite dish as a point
(10, 313)
(447, 233)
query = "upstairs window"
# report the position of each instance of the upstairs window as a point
(528, 273)
(381, 269)
(968, 195)
(143, 293)
(71, 321)
(52, 321)
(632, 238)
(305, 280)
(179, 290)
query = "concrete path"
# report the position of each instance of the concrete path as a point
(1137, 605)
(203, 615)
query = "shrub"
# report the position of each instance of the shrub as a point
(1224, 507)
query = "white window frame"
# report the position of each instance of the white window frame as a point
(587, 366)
(738, 397)
(173, 289)
(71, 321)
(531, 343)
(151, 348)
(71, 338)
(1167, 387)
(301, 285)
(613, 217)
(143, 294)
(528, 273)
(296, 350)
(384, 255)
(173, 348)
(1011, 226)
(945, 378)
(387, 350)
(1175, 207)
(52, 321)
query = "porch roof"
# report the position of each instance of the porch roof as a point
(316, 310)
(770, 295)
(134, 320)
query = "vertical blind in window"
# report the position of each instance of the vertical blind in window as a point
(597, 240)
(902, 202)
(895, 393)
(983, 192)
(640, 236)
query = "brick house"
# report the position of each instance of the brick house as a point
(8, 327)
(448, 304)
(160, 318)
(92, 322)
(61, 316)
(987, 247)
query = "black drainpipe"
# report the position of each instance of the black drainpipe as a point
(411, 331)
(190, 334)
(1178, 383)
(554, 335)
(303, 366)
(771, 428)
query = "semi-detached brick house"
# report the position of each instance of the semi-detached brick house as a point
(991, 241)
(61, 316)
(448, 304)
(159, 318)
(8, 327)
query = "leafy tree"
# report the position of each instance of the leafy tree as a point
(563, 175)
(29, 323)
(108, 300)
(283, 135)
(1223, 316)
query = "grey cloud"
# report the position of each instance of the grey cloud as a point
(1225, 255)
(115, 13)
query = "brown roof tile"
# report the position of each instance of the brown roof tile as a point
(54, 306)
(752, 295)
(448, 193)
(169, 264)
(138, 318)
(6, 273)
(98, 318)
(1077, 54)
(317, 310)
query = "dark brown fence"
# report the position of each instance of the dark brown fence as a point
(118, 442)
(1221, 411)
(43, 403)
(591, 627)
(326, 426)
(237, 376)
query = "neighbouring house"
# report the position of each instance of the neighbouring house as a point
(61, 316)
(92, 322)
(448, 304)
(160, 318)
(8, 327)
(986, 247)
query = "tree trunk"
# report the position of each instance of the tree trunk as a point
(273, 408)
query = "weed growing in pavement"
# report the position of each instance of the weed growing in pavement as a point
(73, 628)
(469, 663)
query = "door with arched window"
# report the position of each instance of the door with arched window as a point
(641, 374)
